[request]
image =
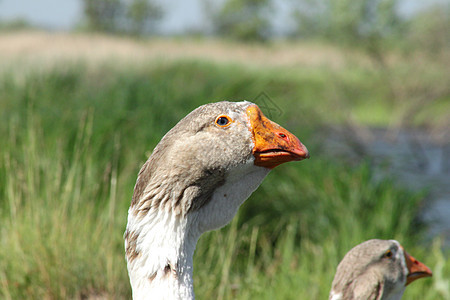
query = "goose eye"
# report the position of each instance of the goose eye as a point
(223, 121)
(388, 254)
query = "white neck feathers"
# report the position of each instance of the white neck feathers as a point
(160, 243)
(161, 267)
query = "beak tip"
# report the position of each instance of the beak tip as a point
(304, 156)
(303, 152)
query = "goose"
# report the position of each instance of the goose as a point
(376, 270)
(194, 181)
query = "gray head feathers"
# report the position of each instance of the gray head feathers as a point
(193, 156)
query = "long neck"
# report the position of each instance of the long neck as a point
(160, 250)
(161, 235)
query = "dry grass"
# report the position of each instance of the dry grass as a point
(36, 47)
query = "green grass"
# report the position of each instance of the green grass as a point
(74, 138)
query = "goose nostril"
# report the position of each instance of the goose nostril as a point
(283, 136)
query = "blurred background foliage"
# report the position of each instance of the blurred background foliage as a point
(80, 112)
(240, 20)
(135, 17)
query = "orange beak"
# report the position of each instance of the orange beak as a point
(274, 145)
(416, 269)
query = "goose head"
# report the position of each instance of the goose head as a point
(198, 175)
(376, 270)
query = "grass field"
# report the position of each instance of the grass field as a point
(76, 129)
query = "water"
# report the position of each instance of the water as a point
(417, 159)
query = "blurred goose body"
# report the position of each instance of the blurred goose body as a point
(376, 270)
(198, 175)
